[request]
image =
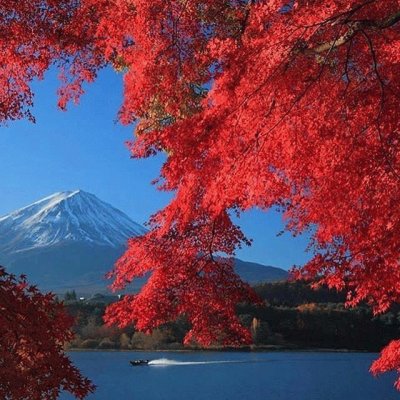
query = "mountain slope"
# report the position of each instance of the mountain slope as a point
(70, 240)
(67, 216)
(256, 273)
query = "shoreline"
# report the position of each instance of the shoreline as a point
(271, 349)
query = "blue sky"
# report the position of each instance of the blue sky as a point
(84, 148)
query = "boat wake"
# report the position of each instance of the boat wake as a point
(165, 362)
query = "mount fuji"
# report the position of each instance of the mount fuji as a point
(67, 240)
(70, 240)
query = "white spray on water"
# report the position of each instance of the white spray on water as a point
(165, 362)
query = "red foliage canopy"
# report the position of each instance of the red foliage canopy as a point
(33, 329)
(257, 103)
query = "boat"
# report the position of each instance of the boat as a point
(136, 363)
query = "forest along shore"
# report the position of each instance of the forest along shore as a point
(294, 317)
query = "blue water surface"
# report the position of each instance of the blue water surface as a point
(234, 376)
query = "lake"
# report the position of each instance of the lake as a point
(234, 376)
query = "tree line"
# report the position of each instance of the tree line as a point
(292, 316)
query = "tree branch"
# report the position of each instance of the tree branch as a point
(354, 28)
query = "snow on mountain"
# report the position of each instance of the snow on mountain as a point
(72, 216)
(70, 240)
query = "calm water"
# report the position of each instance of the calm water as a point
(234, 376)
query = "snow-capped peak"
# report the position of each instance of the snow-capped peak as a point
(66, 216)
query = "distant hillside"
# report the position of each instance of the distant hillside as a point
(256, 273)
(70, 240)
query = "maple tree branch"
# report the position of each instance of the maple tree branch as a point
(389, 21)
(246, 16)
(382, 102)
(346, 66)
(354, 28)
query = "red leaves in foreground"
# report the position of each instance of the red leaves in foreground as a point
(264, 104)
(270, 103)
(186, 279)
(389, 360)
(33, 329)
